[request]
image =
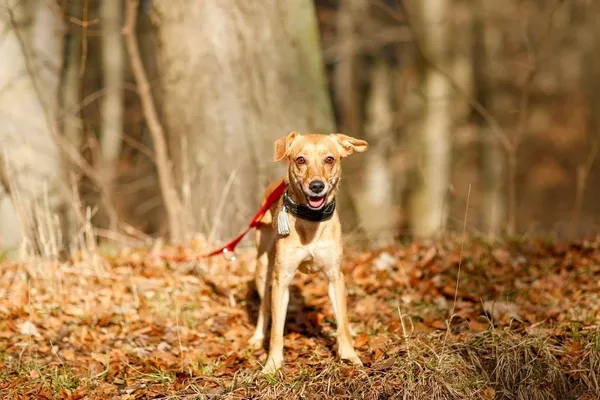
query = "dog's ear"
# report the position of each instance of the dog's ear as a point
(349, 145)
(282, 146)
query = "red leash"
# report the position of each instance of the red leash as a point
(230, 247)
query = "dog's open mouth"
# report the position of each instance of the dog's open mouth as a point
(316, 202)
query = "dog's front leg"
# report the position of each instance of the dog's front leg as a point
(286, 264)
(337, 295)
(265, 243)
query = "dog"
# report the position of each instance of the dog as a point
(302, 231)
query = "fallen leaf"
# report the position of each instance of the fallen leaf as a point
(385, 364)
(385, 261)
(478, 326)
(361, 340)
(501, 256)
(488, 393)
(501, 309)
(428, 257)
(67, 354)
(379, 342)
(103, 359)
(28, 328)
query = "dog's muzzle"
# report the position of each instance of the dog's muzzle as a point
(316, 194)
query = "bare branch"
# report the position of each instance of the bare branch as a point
(167, 186)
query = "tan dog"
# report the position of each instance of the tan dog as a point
(302, 231)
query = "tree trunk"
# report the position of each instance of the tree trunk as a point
(28, 85)
(113, 69)
(234, 77)
(373, 196)
(494, 97)
(584, 16)
(69, 123)
(353, 21)
(461, 57)
(433, 139)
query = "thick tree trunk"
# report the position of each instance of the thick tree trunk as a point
(30, 52)
(429, 208)
(235, 76)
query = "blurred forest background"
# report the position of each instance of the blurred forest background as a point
(127, 120)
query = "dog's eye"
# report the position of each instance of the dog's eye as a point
(329, 160)
(301, 160)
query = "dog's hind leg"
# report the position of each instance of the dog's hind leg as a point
(265, 239)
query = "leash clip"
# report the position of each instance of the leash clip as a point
(229, 254)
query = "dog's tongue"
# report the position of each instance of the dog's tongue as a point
(316, 202)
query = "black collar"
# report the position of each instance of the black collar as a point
(305, 212)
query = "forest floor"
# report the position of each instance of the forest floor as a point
(434, 320)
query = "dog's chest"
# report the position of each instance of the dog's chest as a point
(316, 256)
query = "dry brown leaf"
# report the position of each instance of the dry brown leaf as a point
(428, 257)
(488, 393)
(478, 326)
(361, 340)
(102, 358)
(67, 354)
(385, 364)
(501, 256)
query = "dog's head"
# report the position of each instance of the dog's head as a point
(315, 162)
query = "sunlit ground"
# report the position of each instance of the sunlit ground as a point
(524, 324)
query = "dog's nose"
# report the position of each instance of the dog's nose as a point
(316, 186)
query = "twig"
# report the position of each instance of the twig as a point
(118, 237)
(85, 24)
(177, 316)
(462, 246)
(170, 197)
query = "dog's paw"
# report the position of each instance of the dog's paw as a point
(256, 342)
(352, 357)
(271, 366)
